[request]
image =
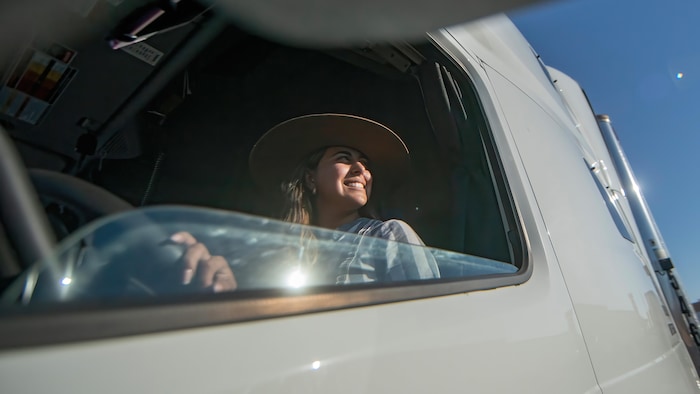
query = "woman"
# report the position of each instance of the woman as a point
(334, 161)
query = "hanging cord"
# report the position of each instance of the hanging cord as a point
(154, 176)
(163, 112)
(159, 158)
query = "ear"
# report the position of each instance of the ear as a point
(310, 179)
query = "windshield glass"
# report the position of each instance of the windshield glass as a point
(130, 255)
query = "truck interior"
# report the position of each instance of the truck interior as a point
(172, 119)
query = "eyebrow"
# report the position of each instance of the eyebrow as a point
(350, 153)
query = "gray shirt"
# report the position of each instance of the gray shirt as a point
(362, 251)
(405, 258)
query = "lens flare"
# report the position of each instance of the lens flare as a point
(296, 279)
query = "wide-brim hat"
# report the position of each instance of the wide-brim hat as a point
(279, 151)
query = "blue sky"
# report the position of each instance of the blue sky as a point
(627, 56)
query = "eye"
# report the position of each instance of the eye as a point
(365, 163)
(343, 158)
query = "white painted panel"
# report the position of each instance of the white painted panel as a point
(619, 309)
(516, 339)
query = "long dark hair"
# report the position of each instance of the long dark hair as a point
(298, 204)
(298, 207)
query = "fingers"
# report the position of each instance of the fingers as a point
(183, 237)
(195, 253)
(210, 271)
(191, 260)
(224, 281)
(215, 273)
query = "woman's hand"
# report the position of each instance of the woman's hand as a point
(201, 269)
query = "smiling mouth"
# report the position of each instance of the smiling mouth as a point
(355, 185)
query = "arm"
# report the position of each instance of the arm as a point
(404, 261)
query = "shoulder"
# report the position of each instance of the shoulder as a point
(397, 230)
(396, 225)
(361, 226)
(393, 230)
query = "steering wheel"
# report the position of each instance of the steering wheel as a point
(80, 198)
(136, 250)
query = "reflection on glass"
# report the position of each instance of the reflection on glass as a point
(316, 365)
(129, 256)
(296, 279)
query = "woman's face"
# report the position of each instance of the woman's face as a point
(342, 179)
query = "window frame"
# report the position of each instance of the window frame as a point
(467, 77)
(54, 324)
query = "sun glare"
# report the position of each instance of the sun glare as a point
(296, 279)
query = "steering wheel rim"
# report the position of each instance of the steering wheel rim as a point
(90, 200)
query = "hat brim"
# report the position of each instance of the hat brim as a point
(279, 151)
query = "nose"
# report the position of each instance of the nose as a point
(358, 168)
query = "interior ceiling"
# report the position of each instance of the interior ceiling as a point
(343, 23)
(328, 23)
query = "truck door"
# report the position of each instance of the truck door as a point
(631, 345)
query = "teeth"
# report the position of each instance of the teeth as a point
(356, 184)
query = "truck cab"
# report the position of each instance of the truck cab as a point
(545, 284)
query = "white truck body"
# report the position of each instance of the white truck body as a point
(589, 318)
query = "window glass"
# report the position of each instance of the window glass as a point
(449, 218)
(130, 256)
